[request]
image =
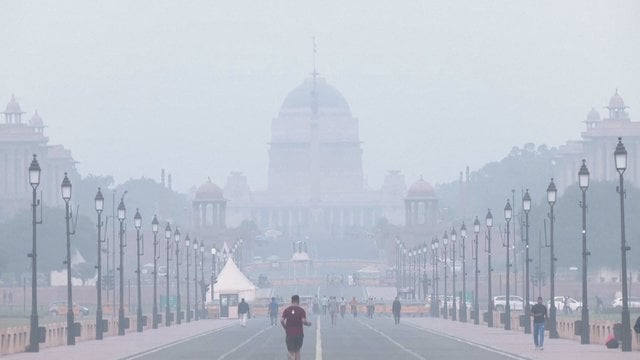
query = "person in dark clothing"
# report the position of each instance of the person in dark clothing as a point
(293, 318)
(395, 309)
(539, 313)
(273, 311)
(243, 311)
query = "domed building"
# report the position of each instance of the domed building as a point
(421, 204)
(597, 144)
(316, 184)
(19, 141)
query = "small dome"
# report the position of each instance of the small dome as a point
(327, 96)
(209, 191)
(36, 120)
(421, 189)
(13, 106)
(593, 115)
(616, 101)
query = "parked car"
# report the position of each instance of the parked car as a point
(574, 305)
(515, 302)
(634, 302)
(60, 308)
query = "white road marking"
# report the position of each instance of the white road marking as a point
(243, 343)
(484, 347)
(145, 353)
(318, 341)
(393, 341)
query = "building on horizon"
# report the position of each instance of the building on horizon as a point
(19, 141)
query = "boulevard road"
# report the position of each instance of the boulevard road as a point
(350, 338)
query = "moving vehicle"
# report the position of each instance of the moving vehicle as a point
(515, 302)
(634, 302)
(60, 308)
(574, 305)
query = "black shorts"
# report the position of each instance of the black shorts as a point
(294, 343)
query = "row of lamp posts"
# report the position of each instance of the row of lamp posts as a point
(620, 157)
(37, 333)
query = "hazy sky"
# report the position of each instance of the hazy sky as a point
(191, 86)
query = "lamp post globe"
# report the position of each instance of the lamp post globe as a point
(155, 226)
(489, 223)
(99, 206)
(620, 156)
(526, 206)
(65, 188)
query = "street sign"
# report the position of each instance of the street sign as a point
(173, 300)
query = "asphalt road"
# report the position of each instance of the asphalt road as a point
(350, 338)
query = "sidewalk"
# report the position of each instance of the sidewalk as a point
(117, 347)
(518, 343)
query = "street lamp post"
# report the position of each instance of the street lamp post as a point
(445, 242)
(583, 181)
(489, 223)
(214, 253)
(34, 180)
(99, 202)
(435, 303)
(453, 273)
(620, 156)
(476, 303)
(66, 196)
(508, 213)
(195, 279)
(176, 237)
(203, 314)
(154, 228)
(167, 312)
(463, 300)
(397, 264)
(137, 221)
(187, 245)
(526, 206)
(121, 216)
(551, 199)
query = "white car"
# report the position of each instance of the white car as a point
(634, 302)
(574, 305)
(515, 302)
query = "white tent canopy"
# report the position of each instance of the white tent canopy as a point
(232, 281)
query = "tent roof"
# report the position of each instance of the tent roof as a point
(232, 279)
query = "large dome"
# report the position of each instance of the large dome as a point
(421, 189)
(616, 101)
(327, 97)
(209, 191)
(13, 107)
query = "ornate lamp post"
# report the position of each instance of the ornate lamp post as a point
(187, 245)
(195, 279)
(453, 273)
(66, 196)
(489, 223)
(583, 181)
(435, 303)
(167, 312)
(154, 228)
(620, 155)
(34, 180)
(445, 242)
(137, 221)
(463, 300)
(476, 303)
(214, 253)
(121, 216)
(397, 264)
(526, 206)
(203, 288)
(552, 193)
(99, 202)
(508, 213)
(176, 238)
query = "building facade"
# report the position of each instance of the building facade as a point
(597, 145)
(20, 140)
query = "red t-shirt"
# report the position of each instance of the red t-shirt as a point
(293, 316)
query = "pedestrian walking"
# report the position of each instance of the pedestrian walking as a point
(293, 319)
(273, 311)
(539, 313)
(243, 311)
(343, 307)
(324, 302)
(395, 309)
(333, 309)
(354, 307)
